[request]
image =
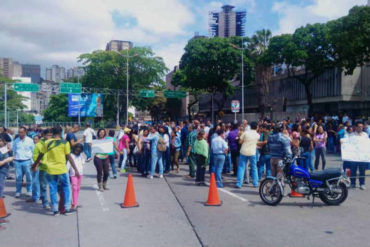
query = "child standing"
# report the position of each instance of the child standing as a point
(79, 159)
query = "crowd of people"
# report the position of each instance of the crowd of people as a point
(55, 157)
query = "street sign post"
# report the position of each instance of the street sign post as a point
(69, 87)
(147, 93)
(174, 94)
(235, 107)
(26, 87)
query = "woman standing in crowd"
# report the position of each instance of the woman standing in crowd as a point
(320, 147)
(201, 150)
(166, 156)
(113, 153)
(306, 147)
(101, 162)
(144, 150)
(175, 150)
(123, 147)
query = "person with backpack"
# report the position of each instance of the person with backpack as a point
(157, 147)
(58, 152)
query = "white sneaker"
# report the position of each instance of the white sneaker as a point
(17, 195)
(161, 176)
(362, 187)
(150, 177)
(29, 194)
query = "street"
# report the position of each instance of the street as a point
(172, 213)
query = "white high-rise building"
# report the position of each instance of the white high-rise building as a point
(118, 45)
(227, 23)
(56, 73)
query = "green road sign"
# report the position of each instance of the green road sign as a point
(69, 87)
(26, 87)
(147, 93)
(174, 94)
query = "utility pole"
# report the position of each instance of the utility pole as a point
(5, 106)
(117, 117)
(242, 80)
(127, 87)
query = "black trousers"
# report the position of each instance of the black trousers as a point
(102, 169)
(201, 169)
(234, 160)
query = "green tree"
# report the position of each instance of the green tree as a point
(210, 65)
(57, 110)
(107, 69)
(306, 53)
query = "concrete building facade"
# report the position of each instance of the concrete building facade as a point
(41, 99)
(227, 23)
(118, 45)
(56, 73)
(33, 71)
(6, 67)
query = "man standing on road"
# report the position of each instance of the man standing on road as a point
(219, 149)
(248, 150)
(279, 146)
(57, 151)
(88, 135)
(190, 153)
(22, 150)
(156, 155)
(71, 136)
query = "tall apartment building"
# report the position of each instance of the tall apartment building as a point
(33, 71)
(6, 67)
(41, 99)
(56, 73)
(75, 72)
(118, 45)
(227, 23)
(17, 69)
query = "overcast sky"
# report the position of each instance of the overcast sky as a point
(55, 32)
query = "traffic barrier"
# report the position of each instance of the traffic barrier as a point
(3, 213)
(213, 198)
(130, 199)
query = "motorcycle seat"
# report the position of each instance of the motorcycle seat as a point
(326, 174)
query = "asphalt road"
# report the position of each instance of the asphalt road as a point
(172, 213)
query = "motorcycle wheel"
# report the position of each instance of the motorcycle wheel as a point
(334, 198)
(270, 192)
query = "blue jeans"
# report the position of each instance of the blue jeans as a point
(23, 168)
(227, 165)
(156, 158)
(362, 168)
(306, 162)
(87, 150)
(241, 169)
(123, 159)
(43, 187)
(35, 185)
(145, 163)
(166, 158)
(264, 162)
(218, 165)
(112, 164)
(3, 174)
(63, 180)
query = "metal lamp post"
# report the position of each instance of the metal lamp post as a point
(127, 80)
(242, 51)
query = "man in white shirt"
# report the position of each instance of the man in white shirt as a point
(88, 135)
(249, 142)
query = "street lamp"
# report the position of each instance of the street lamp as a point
(242, 51)
(127, 78)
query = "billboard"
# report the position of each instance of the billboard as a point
(87, 105)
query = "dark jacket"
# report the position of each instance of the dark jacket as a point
(279, 146)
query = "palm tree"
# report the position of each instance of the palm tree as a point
(258, 45)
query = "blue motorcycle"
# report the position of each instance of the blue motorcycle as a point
(329, 185)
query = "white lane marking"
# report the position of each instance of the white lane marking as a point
(231, 194)
(101, 199)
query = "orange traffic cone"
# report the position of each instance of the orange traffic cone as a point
(293, 193)
(130, 199)
(3, 213)
(213, 199)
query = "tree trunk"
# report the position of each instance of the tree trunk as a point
(263, 78)
(307, 88)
